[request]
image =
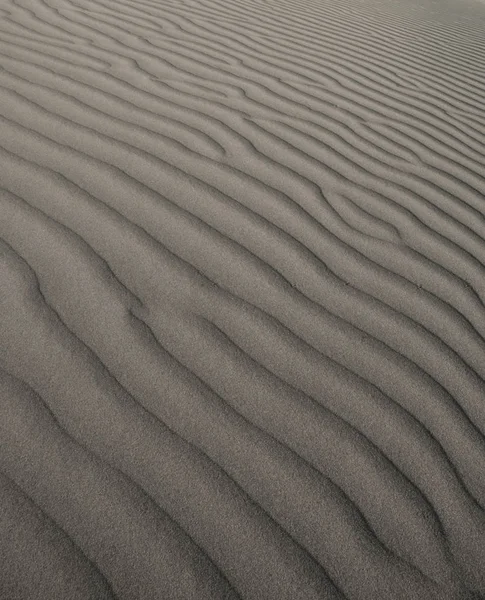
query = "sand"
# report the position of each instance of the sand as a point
(242, 299)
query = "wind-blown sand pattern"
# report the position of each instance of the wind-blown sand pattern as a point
(242, 312)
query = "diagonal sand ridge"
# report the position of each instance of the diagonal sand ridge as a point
(242, 303)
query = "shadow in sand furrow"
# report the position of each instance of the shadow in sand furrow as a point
(437, 196)
(157, 39)
(477, 121)
(48, 50)
(38, 559)
(9, 26)
(30, 21)
(307, 62)
(13, 51)
(236, 44)
(338, 43)
(299, 274)
(438, 236)
(357, 25)
(256, 75)
(252, 459)
(403, 439)
(177, 123)
(202, 249)
(255, 554)
(223, 180)
(433, 152)
(45, 14)
(132, 378)
(13, 209)
(283, 409)
(339, 382)
(101, 510)
(434, 186)
(275, 296)
(242, 304)
(109, 193)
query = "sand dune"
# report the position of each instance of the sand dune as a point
(242, 317)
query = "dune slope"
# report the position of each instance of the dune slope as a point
(242, 302)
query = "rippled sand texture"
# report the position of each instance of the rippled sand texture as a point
(242, 303)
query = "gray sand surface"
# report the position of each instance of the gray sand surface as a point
(242, 299)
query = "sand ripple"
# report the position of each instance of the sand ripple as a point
(242, 316)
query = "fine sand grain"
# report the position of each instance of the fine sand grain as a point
(242, 299)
